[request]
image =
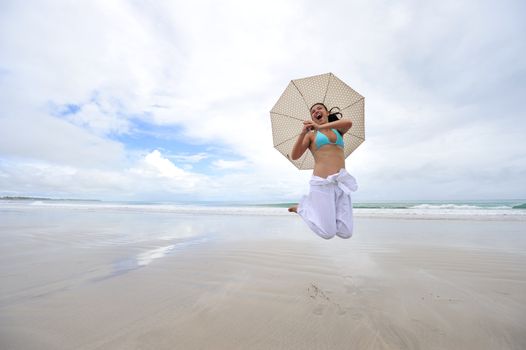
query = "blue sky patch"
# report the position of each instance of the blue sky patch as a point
(173, 145)
(64, 110)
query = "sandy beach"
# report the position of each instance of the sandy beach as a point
(74, 279)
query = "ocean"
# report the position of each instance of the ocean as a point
(426, 209)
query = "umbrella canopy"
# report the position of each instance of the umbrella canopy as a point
(293, 108)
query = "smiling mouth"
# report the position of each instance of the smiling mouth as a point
(318, 116)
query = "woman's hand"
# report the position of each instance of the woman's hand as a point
(305, 129)
(310, 125)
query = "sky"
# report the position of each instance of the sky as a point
(170, 100)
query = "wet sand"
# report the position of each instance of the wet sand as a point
(260, 283)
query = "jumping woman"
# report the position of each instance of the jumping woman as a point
(327, 209)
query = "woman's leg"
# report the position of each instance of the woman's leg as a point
(344, 217)
(318, 211)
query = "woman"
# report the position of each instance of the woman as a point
(327, 209)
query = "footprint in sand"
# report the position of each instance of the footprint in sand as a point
(438, 298)
(341, 310)
(323, 301)
(319, 296)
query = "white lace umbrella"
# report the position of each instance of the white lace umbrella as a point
(293, 107)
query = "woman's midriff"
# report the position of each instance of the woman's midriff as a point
(329, 160)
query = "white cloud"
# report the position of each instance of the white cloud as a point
(161, 172)
(230, 164)
(153, 177)
(190, 158)
(155, 164)
(91, 117)
(431, 78)
(41, 137)
(44, 179)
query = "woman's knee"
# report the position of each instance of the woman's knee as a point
(344, 229)
(344, 235)
(326, 234)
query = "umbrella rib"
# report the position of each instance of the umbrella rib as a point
(361, 138)
(351, 133)
(327, 88)
(290, 138)
(303, 97)
(352, 104)
(352, 137)
(288, 116)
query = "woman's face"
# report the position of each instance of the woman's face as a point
(319, 114)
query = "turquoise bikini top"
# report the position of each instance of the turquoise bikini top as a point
(322, 139)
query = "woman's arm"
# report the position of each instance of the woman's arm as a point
(342, 125)
(301, 145)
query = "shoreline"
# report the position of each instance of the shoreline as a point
(478, 214)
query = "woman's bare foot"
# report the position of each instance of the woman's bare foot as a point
(293, 209)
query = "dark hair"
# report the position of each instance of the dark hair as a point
(333, 116)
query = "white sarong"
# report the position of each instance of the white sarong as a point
(327, 209)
